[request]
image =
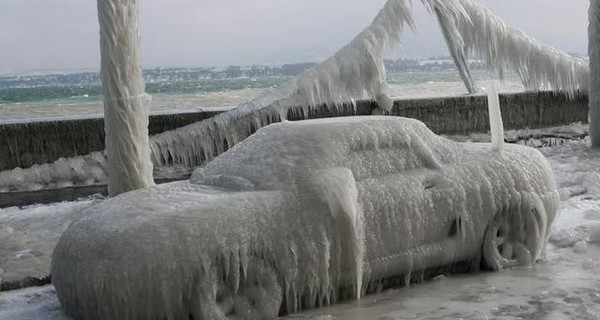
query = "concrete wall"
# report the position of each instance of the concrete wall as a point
(468, 114)
(28, 143)
(25, 144)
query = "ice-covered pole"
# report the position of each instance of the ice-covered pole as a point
(496, 126)
(126, 103)
(594, 54)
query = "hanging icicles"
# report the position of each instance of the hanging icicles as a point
(356, 71)
(504, 47)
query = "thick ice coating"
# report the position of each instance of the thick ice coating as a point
(469, 26)
(356, 71)
(300, 215)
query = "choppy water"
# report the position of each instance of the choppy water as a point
(57, 96)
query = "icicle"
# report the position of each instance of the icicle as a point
(496, 126)
(337, 187)
(504, 47)
(457, 50)
(357, 69)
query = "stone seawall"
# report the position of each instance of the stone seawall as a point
(28, 143)
(24, 144)
(469, 114)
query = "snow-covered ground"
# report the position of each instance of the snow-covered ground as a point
(565, 286)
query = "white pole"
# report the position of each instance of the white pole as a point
(496, 125)
(125, 102)
(594, 53)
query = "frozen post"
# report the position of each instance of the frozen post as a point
(496, 126)
(125, 101)
(594, 53)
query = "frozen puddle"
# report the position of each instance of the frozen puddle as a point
(565, 286)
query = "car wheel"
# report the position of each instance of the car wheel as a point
(512, 239)
(259, 295)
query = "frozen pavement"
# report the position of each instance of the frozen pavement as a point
(565, 286)
(28, 236)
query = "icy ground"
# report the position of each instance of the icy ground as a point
(565, 286)
(28, 236)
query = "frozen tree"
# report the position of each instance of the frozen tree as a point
(125, 101)
(594, 53)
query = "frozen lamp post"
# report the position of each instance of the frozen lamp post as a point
(126, 103)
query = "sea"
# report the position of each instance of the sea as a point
(52, 95)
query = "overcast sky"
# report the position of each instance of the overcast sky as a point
(63, 34)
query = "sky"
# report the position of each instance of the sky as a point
(63, 34)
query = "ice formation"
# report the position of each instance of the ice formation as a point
(457, 50)
(64, 172)
(503, 47)
(274, 223)
(126, 105)
(354, 72)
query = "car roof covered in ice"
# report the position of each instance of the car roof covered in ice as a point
(277, 156)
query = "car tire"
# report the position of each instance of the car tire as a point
(258, 296)
(512, 239)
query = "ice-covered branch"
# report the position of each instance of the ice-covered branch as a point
(504, 47)
(354, 72)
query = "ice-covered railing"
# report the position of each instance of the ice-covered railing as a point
(504, 47)
(356, 71)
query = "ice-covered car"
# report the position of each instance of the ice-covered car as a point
(302, 214)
